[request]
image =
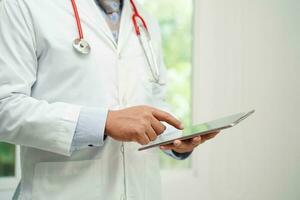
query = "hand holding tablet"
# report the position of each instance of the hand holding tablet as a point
(206, 130)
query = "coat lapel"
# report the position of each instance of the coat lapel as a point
(126, 26)
(90, 14)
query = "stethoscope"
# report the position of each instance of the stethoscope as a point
(141, 30)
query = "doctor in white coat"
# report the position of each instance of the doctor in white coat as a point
(79, 119)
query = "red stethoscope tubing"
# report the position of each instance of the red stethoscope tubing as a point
(136, 16)
(78, 22)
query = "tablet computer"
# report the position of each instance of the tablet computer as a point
(201, 129)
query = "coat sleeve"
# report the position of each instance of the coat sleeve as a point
(25, 120)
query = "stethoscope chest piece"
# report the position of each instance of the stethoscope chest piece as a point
(81, 46)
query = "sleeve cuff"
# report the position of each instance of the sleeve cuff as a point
(90, 128)
(177, 156)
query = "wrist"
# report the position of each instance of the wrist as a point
(182, 155)
(109, 122)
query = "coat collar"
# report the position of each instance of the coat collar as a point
(90, 14)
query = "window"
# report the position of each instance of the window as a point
(9, 167)
(7, 160)
(175, 19)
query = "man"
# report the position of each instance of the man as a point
(80, 118)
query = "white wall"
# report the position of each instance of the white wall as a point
(247, 55)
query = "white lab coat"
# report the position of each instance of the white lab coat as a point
(44, 83)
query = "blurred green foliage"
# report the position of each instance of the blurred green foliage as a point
(175, 19)
(7, 159)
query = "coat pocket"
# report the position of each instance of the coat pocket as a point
(68, 180)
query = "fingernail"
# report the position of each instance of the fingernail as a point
(162, 148)
(181, 126)
(177, 143)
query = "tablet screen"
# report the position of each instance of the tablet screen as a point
(201, 129)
